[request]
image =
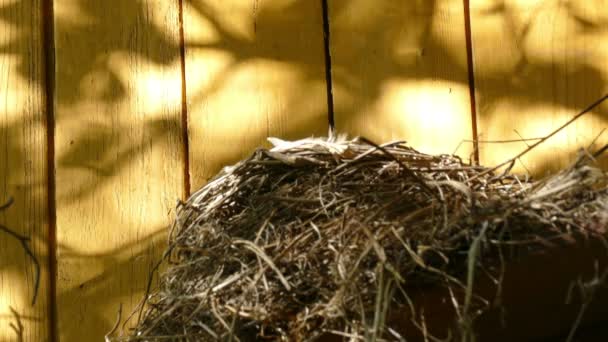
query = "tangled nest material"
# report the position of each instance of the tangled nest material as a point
(322, 236)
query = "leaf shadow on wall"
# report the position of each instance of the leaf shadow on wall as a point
(537, 66)
(22, 175)
(392, 43)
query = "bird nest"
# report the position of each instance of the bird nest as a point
(317, 237)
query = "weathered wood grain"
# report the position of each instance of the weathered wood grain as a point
(23, 172)
(536, 64)
(253, 69)
(399, 70)
(119, 154)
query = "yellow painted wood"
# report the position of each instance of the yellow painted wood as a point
(400, 72)
(22, 172)
(253, 69)
(538, 63)
(119, 154)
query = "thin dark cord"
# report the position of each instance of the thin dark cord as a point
(328, 77)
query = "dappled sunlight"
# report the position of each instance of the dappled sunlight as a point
(448, 15)
(491, 27)
(15, 92)
(92, 154)
(555, 25)
(22, 169)
(557, 152)
(126, 118)
(22, 174)
(16, 291)
(156, 89)
(107, 279)
(536, 66)
(395, 32)
(253, 69)
(432, 114)
(208, 22)
(257, 82)
(116, 209)
(207, 74)
(427, 114)
(201, 29)
(12, 297)
(118, 154)
(255, 73)
(73, 13)
(112, 193)
(400, 72)
(272, 96)
(135, 33)
(12, 95)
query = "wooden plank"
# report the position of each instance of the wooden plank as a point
(536, 64)
(399, 71)
(23, 172)
(119, 154)
(253, 69)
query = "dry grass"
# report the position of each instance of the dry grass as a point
(318, 236)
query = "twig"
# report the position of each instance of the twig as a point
(107, 336)
(521, 138)
(150, 279)
(403, 166)
(259, 252)
(24, 240)
(519, 155)
(587, 292)
(471, 266)
(18, 327)
(595, 139)
(504, 141)
(8, 203)
(295, 250)
(600, 151)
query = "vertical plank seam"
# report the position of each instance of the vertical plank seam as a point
(184, 114)
(471, 76)
(328, 76)
(48, 38)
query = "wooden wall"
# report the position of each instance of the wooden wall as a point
(111, 111)
(23, 173)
